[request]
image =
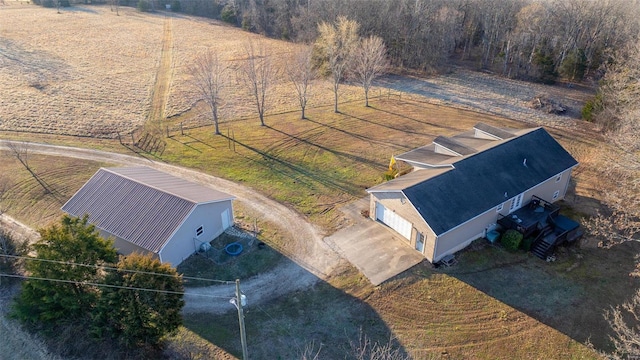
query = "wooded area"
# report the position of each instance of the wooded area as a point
(536, 40)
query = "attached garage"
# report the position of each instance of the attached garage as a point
(393, 220)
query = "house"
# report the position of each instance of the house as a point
(148, 211)
(461, 185)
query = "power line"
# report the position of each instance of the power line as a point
(111, 286)
(225, 282)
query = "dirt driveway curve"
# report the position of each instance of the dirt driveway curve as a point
(312, 259)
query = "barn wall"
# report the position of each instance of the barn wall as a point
(185, 242)
(125, 247)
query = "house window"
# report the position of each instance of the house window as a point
(199, 231)
(556, 194)
(558, 178)
(500, 207)
(516, 203)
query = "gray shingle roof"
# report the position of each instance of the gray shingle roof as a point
(453, 145)
(139, 204)
(478, 182)
(426, 156)
(494, 131)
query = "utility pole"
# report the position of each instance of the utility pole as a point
(243, 334)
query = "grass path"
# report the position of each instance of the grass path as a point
(160, 93)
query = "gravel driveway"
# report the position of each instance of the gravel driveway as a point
(310, 258)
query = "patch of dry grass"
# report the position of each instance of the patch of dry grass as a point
(85, 71)
(27, 201)
(89, 72)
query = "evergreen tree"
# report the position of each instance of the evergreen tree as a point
(67, 253)
(134, 316)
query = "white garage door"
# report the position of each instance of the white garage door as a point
(393, 220)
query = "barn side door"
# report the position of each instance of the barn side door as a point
(226, 221)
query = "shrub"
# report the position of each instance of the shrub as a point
(526, 243)
(246, 23)
(144, 6)
(175, 6)
(511, 240)
(591, 108)
(228, 15)
(390, 174)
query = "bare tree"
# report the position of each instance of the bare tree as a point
(115, 4)
(258, 73)
(623, 320)
(21, 151)
(620, 186)
(366, 349)
(620, 95)
(310, 352)
(336, 43)
(208, 77)
(301, 72)
(369, 62)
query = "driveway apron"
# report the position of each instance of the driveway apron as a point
(376, 250)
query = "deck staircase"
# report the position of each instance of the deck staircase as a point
(544, 242)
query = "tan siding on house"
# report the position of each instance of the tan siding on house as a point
(400, 205)
(461, 236)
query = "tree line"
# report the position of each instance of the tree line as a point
(339, 53)
(536, 40)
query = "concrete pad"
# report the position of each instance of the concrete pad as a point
(376, 250)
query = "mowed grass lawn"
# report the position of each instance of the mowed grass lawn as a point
(494, 305)
(324, 161)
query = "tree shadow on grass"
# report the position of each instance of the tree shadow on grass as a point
(297, 172)
(388, 126)
(356, 136)
(341, 154)
(421, 122)
(186, 144)
(570, 294)
(321, 317)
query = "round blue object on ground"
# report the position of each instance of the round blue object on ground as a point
(233, 249)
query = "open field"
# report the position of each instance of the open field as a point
(108, 78)
(78, 73)
(493, 305)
